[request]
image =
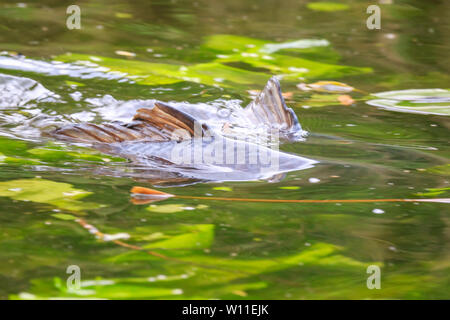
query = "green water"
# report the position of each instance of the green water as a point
(207, 249)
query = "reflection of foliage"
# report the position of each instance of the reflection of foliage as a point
(434, 192)
(245, 251)
(60, 195)
(224, 71)
(200, 260)
(199, 236)
(15, 152)
(185, 248)
(226, 275)
(164, 32)
(327, 6)
(323, 100)
(443, 169)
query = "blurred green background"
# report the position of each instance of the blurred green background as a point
(201, 51)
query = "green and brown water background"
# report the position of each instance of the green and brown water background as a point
(202, 51)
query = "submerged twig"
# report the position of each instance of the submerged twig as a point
(146, 195)
(101, 235)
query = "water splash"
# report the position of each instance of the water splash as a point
(20, 92)
(81, 69)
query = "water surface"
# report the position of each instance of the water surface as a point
(63, 204)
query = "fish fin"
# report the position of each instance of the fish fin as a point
(90, 133)
(160, 123)
(173, 123)
(269, 109)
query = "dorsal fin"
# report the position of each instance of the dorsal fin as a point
(168, 120)
(270, 109)
(89, 133)
(159, 123)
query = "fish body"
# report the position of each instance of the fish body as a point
(212, 158)
(177, 143)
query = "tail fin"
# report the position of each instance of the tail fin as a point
(270, 109)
